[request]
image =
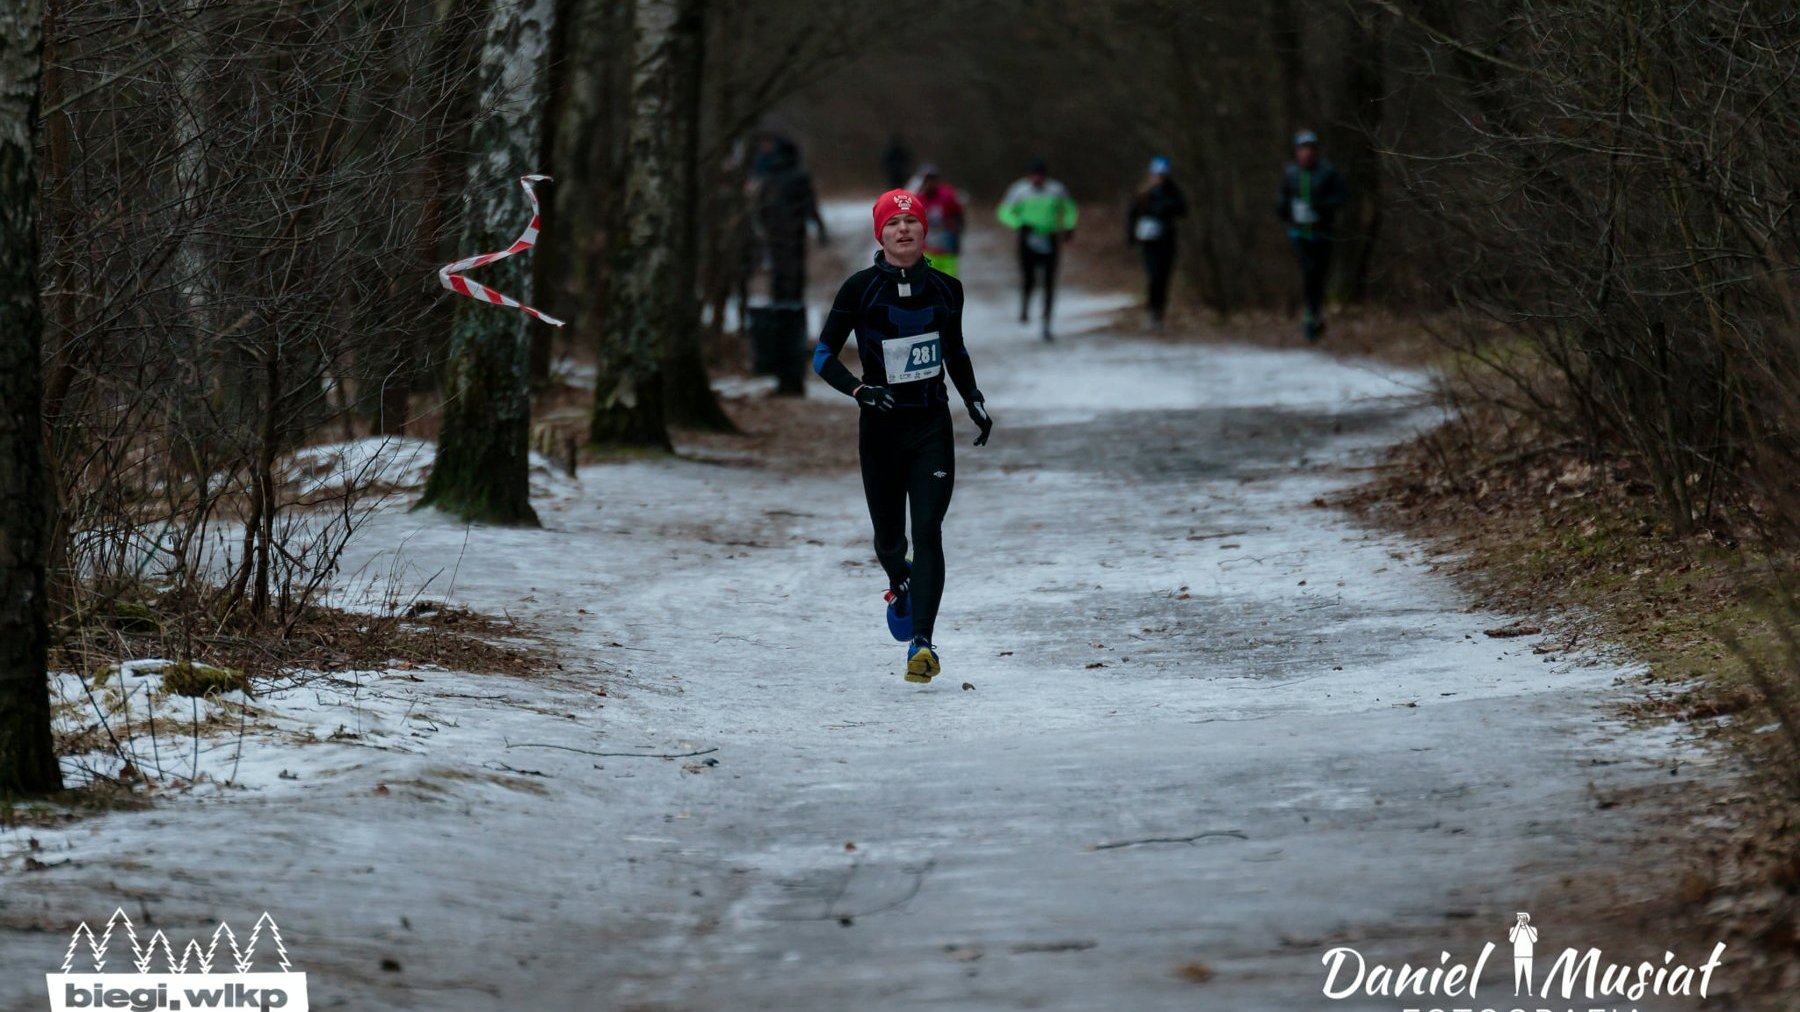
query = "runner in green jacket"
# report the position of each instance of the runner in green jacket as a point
(1042, 212)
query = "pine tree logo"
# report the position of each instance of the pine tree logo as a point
(163, 974)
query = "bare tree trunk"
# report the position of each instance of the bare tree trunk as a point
(722, 168)
(690, 399)
(483, 457)
(1363, 91)
(61, 349)
(1210, 269)
(1299, 99)
(378, 370)
(588, 106)
(628, 392)
(551, 260)
(440, 177)
(27, 755)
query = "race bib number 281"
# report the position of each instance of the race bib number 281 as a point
(910, 359)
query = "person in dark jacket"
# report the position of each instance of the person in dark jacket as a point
(1312, 191)
(785, 205)
(1150, 225)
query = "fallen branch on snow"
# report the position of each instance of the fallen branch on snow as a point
(616, 755)
(1236, 834)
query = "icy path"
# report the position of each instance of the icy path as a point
(1166, 641)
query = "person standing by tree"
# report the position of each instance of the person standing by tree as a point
(1150, 224)
(907, 318)
(785, 204)
(1042, 212)
(1311, 193)
(27, 755)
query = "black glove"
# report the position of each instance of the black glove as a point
(978, 411)
(879, 398)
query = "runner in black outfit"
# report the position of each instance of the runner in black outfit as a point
(907, 318)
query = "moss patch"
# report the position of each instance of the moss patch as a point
(187, 678)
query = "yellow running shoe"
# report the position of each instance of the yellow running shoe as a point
(921, 661)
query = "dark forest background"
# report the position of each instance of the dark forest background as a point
(226, 217)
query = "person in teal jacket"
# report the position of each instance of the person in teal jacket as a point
(1042, 212)
(1312, 192)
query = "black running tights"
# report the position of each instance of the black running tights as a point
(909, 459)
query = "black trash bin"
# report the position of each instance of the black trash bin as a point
(778, 345)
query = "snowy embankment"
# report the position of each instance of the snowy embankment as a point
(180, 725)
(1206, 723)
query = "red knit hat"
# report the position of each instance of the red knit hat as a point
(898, 202)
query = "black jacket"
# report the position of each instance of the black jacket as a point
(1164, 202)
(1323, 187)
(910, 318)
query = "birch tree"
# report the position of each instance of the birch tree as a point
(628, 392)
(587, 158)
(481, 471)
(27, 758)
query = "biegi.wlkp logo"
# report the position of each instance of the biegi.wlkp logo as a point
(219, 975)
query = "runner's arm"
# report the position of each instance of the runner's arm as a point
(810, 208)
(956, 354)
(1009, 206)
(838, 324)
(1335, 192)
(1177, 203)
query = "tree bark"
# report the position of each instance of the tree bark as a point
(27, 754)
(550, 261)
(1364, 91)
(481, 473)
(1299, 99)
(452, 103)
(584, 145)
(628, 391)
(62, 352)
(691, 402)
(378, 369)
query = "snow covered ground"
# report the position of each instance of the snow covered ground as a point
(1205, 723)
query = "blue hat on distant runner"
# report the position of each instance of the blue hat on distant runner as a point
(1159, 166)
(1305, 137)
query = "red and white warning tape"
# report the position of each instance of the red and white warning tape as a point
(449, 278)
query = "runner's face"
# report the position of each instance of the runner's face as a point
(901, 240)
(1307, 155)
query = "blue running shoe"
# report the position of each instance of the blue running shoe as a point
(899, 611)
(921, 661)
